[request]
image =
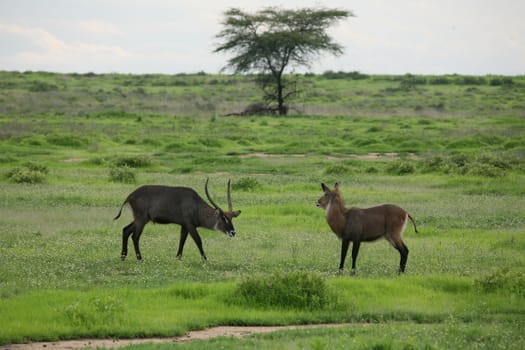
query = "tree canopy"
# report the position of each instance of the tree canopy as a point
(272, 39)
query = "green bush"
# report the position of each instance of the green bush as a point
(502, 280)
(293, 290)
(487, 165)
(42, 86)
(485, 169)
(122, 174)
(337, 169)
(67, 140)
(137, 161)
(93, 312)
(400, 167)
(246, 184)
(29, 173)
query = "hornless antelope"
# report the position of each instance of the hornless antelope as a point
(364, 225)
(175, 205)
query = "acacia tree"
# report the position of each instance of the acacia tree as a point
(272, 39)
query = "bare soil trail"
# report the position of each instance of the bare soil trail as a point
(210, 333)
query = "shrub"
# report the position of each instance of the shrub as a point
(95, 311)
(485, 169)
(122, 174)
(501, 81)
(471, 80)
(29, 173)
(337, 169)
(502, 279)
(210, 142)
(294, 290)
(440, 80)
(400, 168)
(355, 75)
(67, 140)
(246, 184)
(42, 86)
(137, 161)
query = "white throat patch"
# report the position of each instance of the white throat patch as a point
(328, 207)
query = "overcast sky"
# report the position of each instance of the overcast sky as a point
(161, 36)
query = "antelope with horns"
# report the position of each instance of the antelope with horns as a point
(364, 225)
(175, 205)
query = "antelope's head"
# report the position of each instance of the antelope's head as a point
(329, 196)
(224, 218)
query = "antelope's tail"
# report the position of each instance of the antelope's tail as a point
(411, 219)
(120, 211)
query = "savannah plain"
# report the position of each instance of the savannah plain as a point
(449, 149)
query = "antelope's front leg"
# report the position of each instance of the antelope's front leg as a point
(344, 249)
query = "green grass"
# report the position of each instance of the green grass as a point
(435, 304)
(396, 335)
(90, 140)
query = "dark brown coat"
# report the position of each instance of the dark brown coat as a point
(175, 205)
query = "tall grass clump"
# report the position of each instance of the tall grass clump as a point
(337, 169)
(28, 173)
(95, 311)
(123, 174)
(293, 290)
(400, 167)
(135, 161)
(502, 280)
(67, 140)
(247, 184)
(485, 165)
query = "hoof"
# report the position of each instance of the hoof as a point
(122, 257)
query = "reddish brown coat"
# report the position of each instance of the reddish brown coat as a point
(364, 225)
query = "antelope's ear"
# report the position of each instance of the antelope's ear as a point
(336, 186)
(325, 189)
(236, 213)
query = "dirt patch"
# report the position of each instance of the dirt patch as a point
(255, 155)
(269, 155)
(75, 160)
(223, 331)
(374, 156)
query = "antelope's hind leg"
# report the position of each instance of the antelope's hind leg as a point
(403, 252)
(182, 241)
(139, 227)
(355, 251)
(126, 232)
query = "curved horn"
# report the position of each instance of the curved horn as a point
(208, 195)
(230, 206)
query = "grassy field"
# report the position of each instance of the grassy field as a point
(449, 149)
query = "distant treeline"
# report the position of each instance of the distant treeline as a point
(414, 79)
(455, 79)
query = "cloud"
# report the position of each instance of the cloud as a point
(100, 27)
(428, 37)
(45, 51)
(37, 36)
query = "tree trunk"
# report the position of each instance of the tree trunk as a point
(283, 110)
